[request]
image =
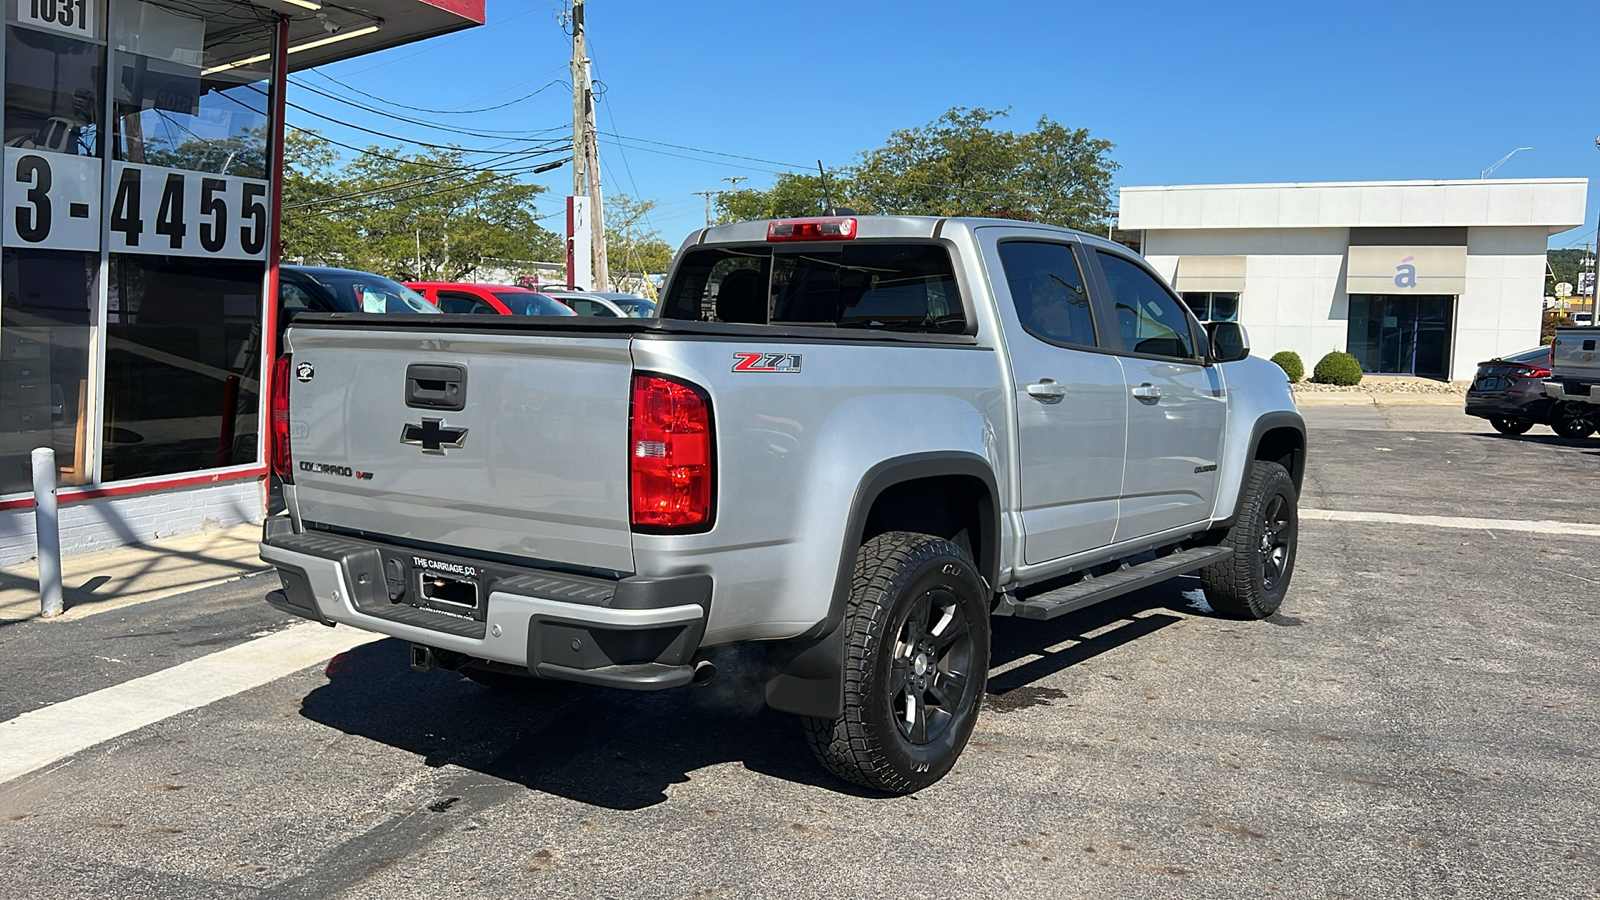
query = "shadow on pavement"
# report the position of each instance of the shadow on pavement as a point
(622, 750)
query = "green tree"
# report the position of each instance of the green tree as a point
(426, 216)
(790, 196)
(631, 244)
(958, 165)
(311, 176)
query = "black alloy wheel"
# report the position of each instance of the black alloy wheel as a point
(1511, 426)
(1573, 420)
(1276, 530)
(931, 666)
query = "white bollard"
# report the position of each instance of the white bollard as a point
(47, 529)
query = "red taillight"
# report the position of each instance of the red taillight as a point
(282, 464)
(1537, 373)
(811, 230)
(669, 456)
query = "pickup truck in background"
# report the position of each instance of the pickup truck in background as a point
(1574, 373)
(851, 440)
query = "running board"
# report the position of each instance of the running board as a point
(1092, 589)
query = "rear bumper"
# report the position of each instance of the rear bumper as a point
(638, 633)
(1499, 405)
(1568, 392)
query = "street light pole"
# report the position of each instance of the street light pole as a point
(1485, 173)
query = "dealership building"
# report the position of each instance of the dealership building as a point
(1421, 278)
(140, 214)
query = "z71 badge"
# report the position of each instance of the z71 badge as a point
(766, 362)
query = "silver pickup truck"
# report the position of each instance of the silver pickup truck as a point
(1574, 373)
(852, 440)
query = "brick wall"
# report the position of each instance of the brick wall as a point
(115, 521)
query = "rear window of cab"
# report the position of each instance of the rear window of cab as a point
(892, 286)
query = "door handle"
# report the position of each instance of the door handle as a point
(1047, 391)
(1147, 391)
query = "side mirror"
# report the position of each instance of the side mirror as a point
(1229, 341)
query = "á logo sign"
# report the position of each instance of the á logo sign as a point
(1407, 273)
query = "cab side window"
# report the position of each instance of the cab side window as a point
(1048, 290)
(1151, 320)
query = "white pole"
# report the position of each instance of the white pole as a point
(47, 530)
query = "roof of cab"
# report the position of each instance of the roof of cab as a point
(869, 227)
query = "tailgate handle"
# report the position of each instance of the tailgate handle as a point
(433, 386)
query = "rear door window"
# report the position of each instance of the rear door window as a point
(905, 286)
(1048, 291)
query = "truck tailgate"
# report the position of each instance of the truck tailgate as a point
(532, 465)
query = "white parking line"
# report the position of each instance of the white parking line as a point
(1531, 526)
(36, 739)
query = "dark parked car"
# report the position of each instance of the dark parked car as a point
(320, 289)
(1509, 392)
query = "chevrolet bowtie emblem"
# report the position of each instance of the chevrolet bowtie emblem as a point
(432, 436)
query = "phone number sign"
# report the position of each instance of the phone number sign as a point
(54, 201)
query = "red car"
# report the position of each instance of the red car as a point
(488, 299)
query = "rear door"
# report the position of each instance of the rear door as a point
(1177, 409)
(1068, 390)
(525, 456)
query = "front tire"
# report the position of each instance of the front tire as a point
(1252, 582)
(916, 638)
(1511, 426)
(1573, 420)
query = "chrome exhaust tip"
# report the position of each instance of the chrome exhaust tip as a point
(704, 671)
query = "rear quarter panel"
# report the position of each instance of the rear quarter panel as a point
(792, 450)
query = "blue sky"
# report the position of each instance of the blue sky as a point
(1189, 92)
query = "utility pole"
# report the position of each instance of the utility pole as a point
(708, 195)
(585, 151)
(733, 181)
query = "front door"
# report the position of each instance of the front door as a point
(1071, 415)
(1401, 335)
(1177, 409)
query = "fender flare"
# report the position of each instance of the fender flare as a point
(805, 675)
(1269, 421)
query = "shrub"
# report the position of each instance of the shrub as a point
(1337, 368)
(1289, 362)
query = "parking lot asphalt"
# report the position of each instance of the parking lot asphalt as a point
(1418, 721)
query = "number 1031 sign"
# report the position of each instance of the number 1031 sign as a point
(54, 201)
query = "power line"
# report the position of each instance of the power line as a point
(482, 133)
(710, 152)
(375, 196)
(427, 179)
(316, 135)
(396, 137)
(442, 112)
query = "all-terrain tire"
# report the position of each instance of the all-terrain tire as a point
(1573, 420)
(1251, 583)
(1511, 426)
(916, 645)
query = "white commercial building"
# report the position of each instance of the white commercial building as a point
(1412, 277)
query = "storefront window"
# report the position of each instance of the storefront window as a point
(1213, 306)
(54, 86)
(188, 228)
(183, 355)
(185, 89)
(45, 311)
